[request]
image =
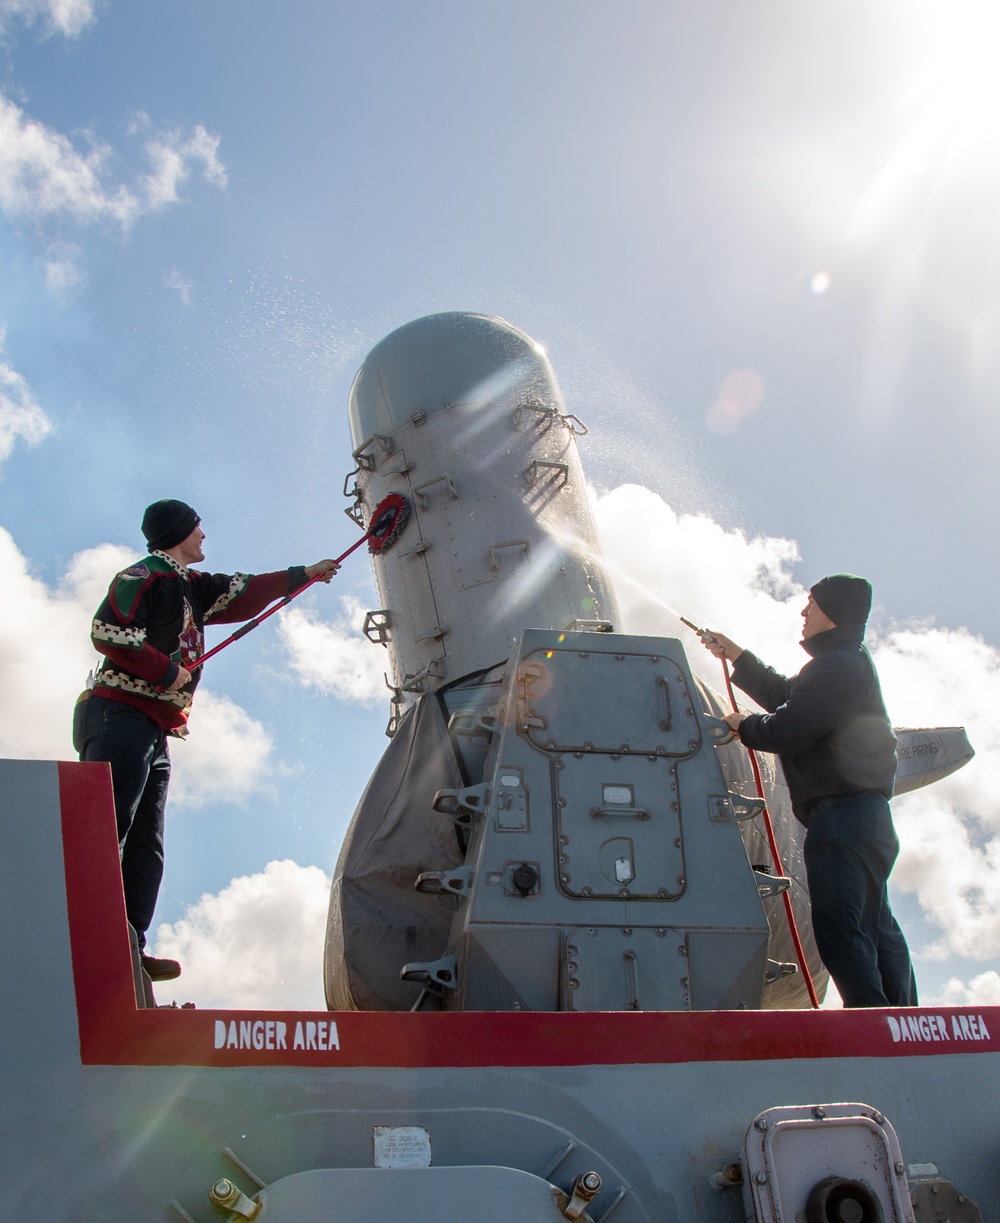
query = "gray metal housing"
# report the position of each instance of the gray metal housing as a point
(606, 869)
(462, 415)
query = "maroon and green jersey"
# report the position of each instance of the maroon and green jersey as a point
(153, 619)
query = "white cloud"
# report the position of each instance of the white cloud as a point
(666, 565)
(45, 648)
(949, 832)
(226, 758)
(257, 944)
(21, 418)
(334, 657)
(67, 17)
(45, 654)
(173, 155)
(44, 176)
(983, 990)
(174, 280)
(62, 272)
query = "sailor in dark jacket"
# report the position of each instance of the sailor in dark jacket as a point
(829, 728)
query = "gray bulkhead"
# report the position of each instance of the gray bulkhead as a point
(461, 414)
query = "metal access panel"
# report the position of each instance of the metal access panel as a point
(557, 689)
(611, 774)
(619, 829)
(836, 1161)
(421, 1195)
(626, 970)
(603, 824)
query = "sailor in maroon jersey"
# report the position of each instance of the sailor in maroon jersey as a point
(150, 629)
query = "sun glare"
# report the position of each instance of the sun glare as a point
(934, 197)
(903, 169)
(962, 47)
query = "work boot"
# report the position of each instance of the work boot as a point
(159, 970)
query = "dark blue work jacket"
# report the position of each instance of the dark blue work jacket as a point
(827, 725)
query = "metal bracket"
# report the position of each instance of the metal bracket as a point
(589, 626)
(356, 514)
(561, 470)
(376, 626)
(477, 727)
(523, 544)
(731, 806)
(355, 491)
(771, 885)
(527, 674)
(436, 975)
(586, 1187)
(366, 462)
(776, 970)
(423, 501)
(417, 549)
(414, 683)
(396, 704)
(546, 416)
(462, 805)
(227, 1196)
(746, 807)
(939, 1199)
(457, 882)
(719, 732)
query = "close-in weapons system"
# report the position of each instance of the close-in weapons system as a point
(560, 960)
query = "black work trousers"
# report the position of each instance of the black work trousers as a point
(136, 749)
(850, 849)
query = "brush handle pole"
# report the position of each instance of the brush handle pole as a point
(252, 624)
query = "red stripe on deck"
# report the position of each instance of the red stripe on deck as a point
(113, 1031)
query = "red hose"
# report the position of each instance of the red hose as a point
(772, 842)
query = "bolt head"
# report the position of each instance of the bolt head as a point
(760, 1178)
(591, 1182)
(221, 1192)
(761, 1124)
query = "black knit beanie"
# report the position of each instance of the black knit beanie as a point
(166, 523)
(844, 597)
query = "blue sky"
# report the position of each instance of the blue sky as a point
(757, 240)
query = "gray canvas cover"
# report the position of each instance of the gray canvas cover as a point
(377, 920)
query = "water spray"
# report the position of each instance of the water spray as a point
(388, 519)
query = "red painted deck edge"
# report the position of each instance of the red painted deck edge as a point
(113, 1031)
